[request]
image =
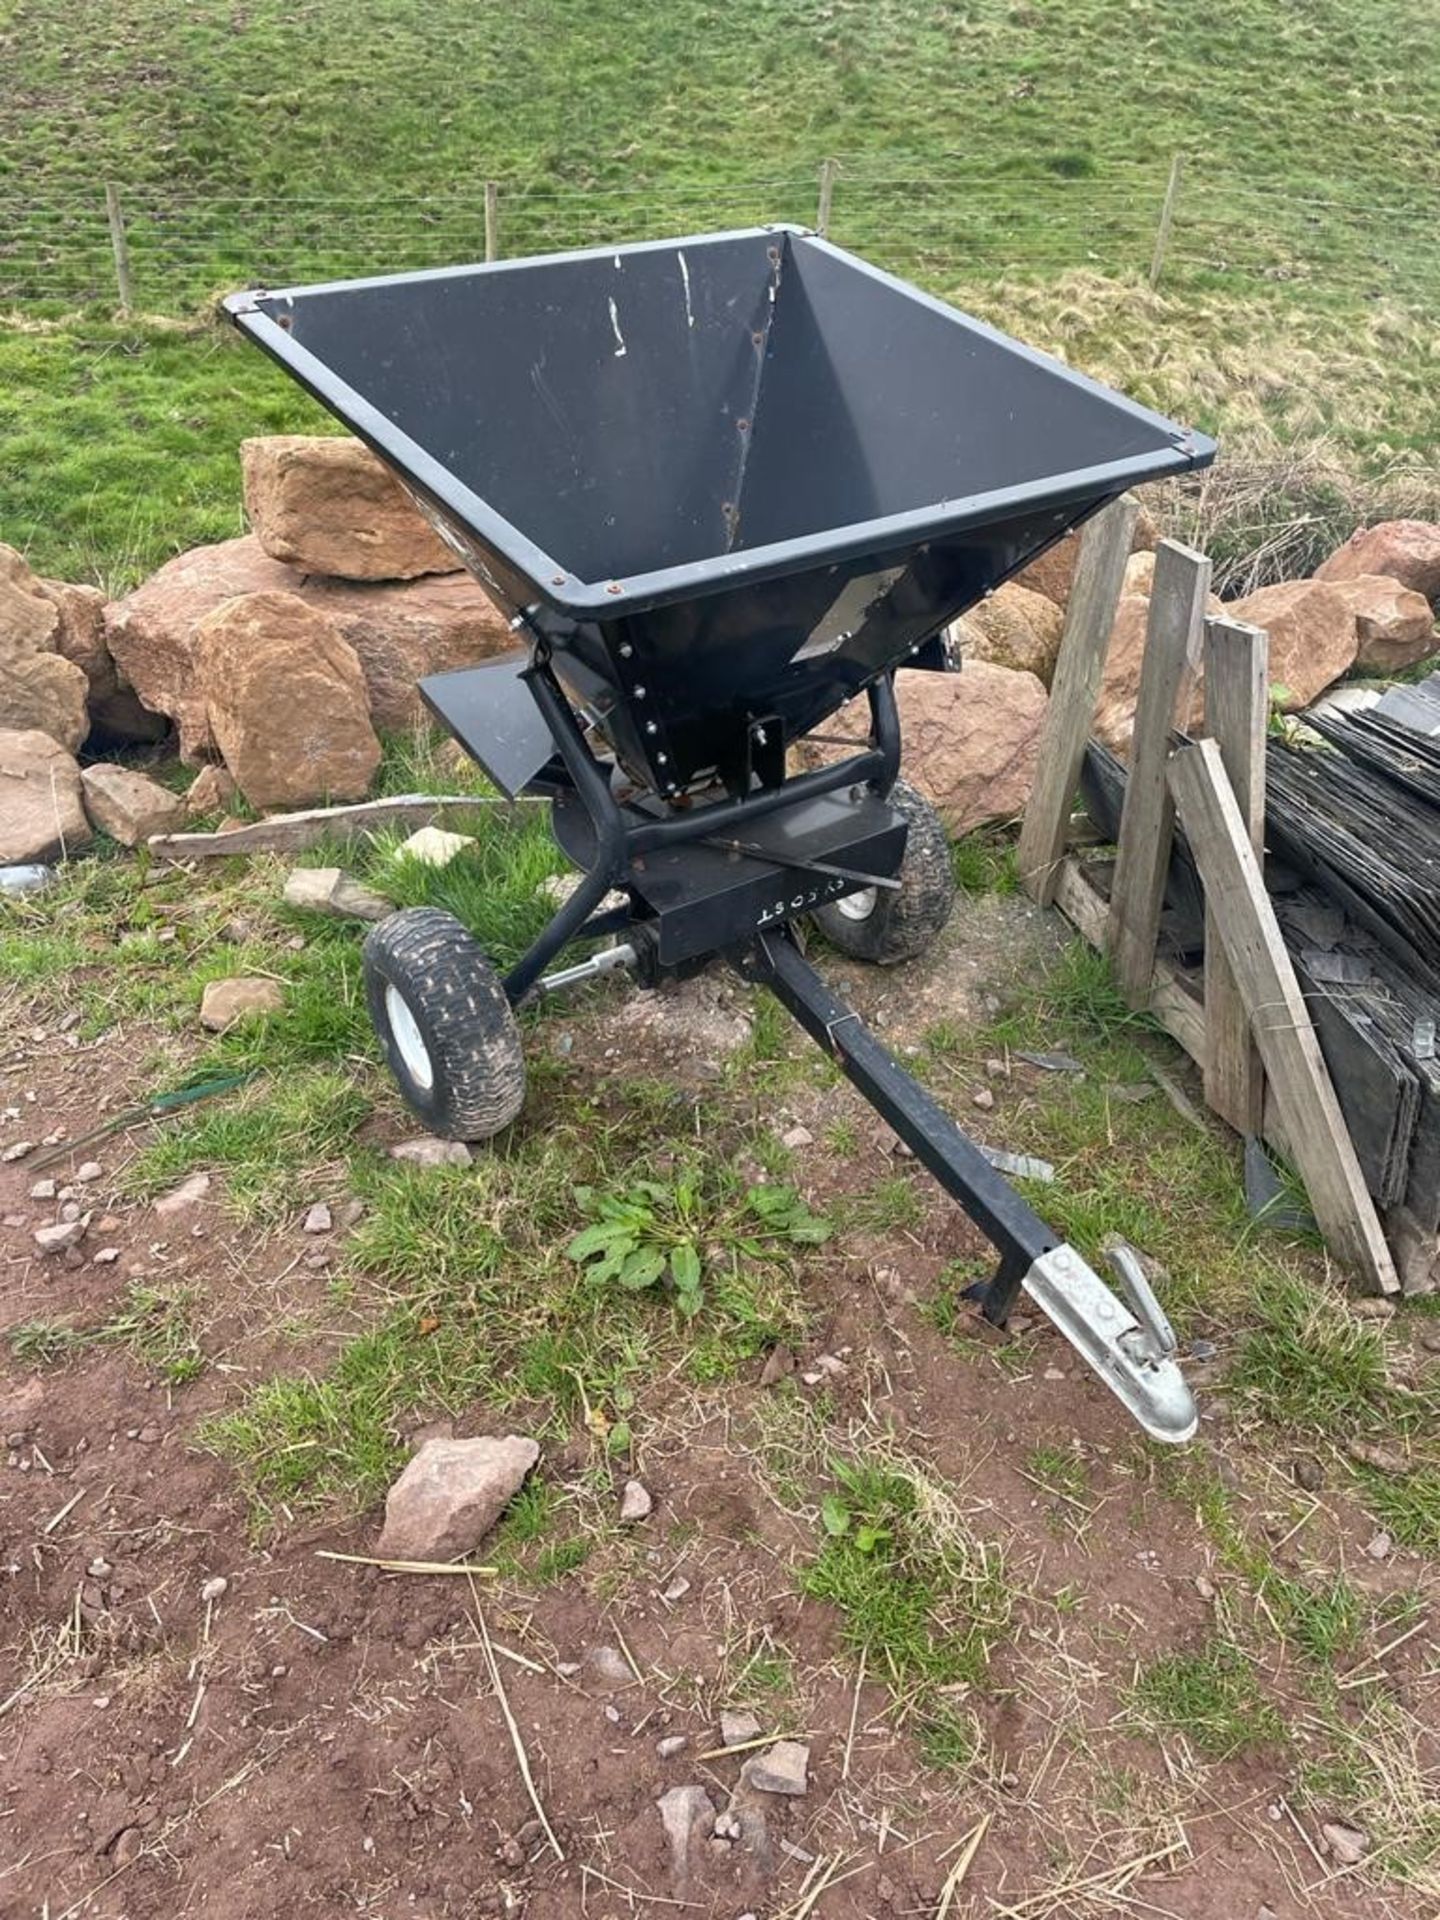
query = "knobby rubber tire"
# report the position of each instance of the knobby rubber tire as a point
(467, 1027)
(901, 925)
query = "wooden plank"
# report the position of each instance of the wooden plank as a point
(291, 832)
(1237, 666)
(1171, 1002)
(1099, 574)
(1219, 836)
(1147, 822)
(1176, 1003)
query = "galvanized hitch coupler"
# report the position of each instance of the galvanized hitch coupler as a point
(721, 486)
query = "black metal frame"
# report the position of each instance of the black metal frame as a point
(773, 960)
(943, 1148)
(618, 843)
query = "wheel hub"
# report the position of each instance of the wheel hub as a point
(409, 1043)
(858, 906)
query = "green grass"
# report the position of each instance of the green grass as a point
(265, 1142)
(28, 959)
(1326, 97)
(1058, 1470)
(298, 1439)
(1138, 1171)
(493, 887)
(45, 1343)
(1309, 1363)
(889, 1206)
(1303, 1362)
(1325, 1618)
(949, 1739)
(1377, 1766)
(1408, 1506)
(1211, 1697)
(1297, 293)
(157, 1324)
(984, 862)
(122, 940)
(464, 1277)
(916, 1591)
(125, 940)
(1317, 1612)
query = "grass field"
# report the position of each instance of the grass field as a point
(1013, 156)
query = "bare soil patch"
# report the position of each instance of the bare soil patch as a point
(322, 1737)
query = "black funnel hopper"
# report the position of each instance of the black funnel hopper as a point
(729, 479)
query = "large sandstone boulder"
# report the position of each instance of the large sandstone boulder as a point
(80, 635)
(1053, 574)
(398, 632)
(28, 621)
(1312, 631)
(970, 740)
(401, 632)
(1114, 720)
(1403, 550)
(1139, 571)
(1014, 628)
(41, 815)
(1312, 642)
(38, 689)
(1394, 626)
(151, 632)
(61, 625)
(286, 701)
(327, 505)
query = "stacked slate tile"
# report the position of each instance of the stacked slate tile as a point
(1352, 831)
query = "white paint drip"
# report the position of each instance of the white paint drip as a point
(685, 276)
(619, 337)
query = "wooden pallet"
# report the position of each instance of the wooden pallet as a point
(1243, 1017)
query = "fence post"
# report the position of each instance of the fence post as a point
(119, 247)
(827, 194)
(492, 219)
(1167, 216)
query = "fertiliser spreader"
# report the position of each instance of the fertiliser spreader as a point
(720, 486)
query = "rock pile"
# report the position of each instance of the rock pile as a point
(1370, 607)
(331, 530)
(278, 658)
(281, 657)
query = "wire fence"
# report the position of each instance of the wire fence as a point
(171, 251)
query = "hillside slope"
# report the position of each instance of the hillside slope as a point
(994, 152)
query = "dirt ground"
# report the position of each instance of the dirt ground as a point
(321, 1737)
